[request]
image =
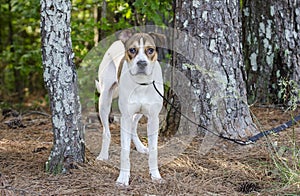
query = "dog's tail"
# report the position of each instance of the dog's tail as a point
(97, 83)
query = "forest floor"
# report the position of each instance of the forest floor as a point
(224, 169)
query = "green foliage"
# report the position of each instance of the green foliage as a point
(241, 4)
(20, 48)
(150, 10)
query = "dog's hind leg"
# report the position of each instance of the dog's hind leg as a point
(140, 147)
(105, 100)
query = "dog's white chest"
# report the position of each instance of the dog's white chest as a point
(143, 95)
(141, 99)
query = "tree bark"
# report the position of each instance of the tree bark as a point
(211, 57)
(103, 16)
(96, 29)
(271, 47)
(61, 81)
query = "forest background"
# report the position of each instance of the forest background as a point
(270, 76)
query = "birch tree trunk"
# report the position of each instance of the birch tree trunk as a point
(217, 75)
(271, 47)
(61, 81)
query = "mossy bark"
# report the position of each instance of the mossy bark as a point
(212, 58)
(271, 42)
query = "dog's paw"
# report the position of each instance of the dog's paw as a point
(123, 179)
(156, 177)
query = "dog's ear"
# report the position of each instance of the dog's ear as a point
(125, 35)
(159, 39)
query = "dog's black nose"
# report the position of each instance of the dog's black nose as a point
(142, 64)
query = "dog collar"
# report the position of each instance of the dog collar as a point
(145, 83)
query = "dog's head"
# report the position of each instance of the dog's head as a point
(140, 51)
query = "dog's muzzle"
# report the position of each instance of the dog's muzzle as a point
(142, 67)
(142, 64)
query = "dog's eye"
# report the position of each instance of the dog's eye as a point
(150, 50)
(132, 50)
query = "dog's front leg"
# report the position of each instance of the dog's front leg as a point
(152, 131)
(126, 128)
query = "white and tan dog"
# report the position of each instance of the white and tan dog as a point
(127, 70)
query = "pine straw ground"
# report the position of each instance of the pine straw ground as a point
(227, 169)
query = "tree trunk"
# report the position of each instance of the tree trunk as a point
(96, 29)
(170, 126)
(271, 48)
(61, 81)
(103, 16)
(211, 58)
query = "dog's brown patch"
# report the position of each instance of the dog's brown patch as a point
(120, 68)
(130, 55)
(151, 53)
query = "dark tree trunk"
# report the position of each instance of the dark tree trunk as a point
(171, 124)
(211, 58)
(271, 41)
(61, 81)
